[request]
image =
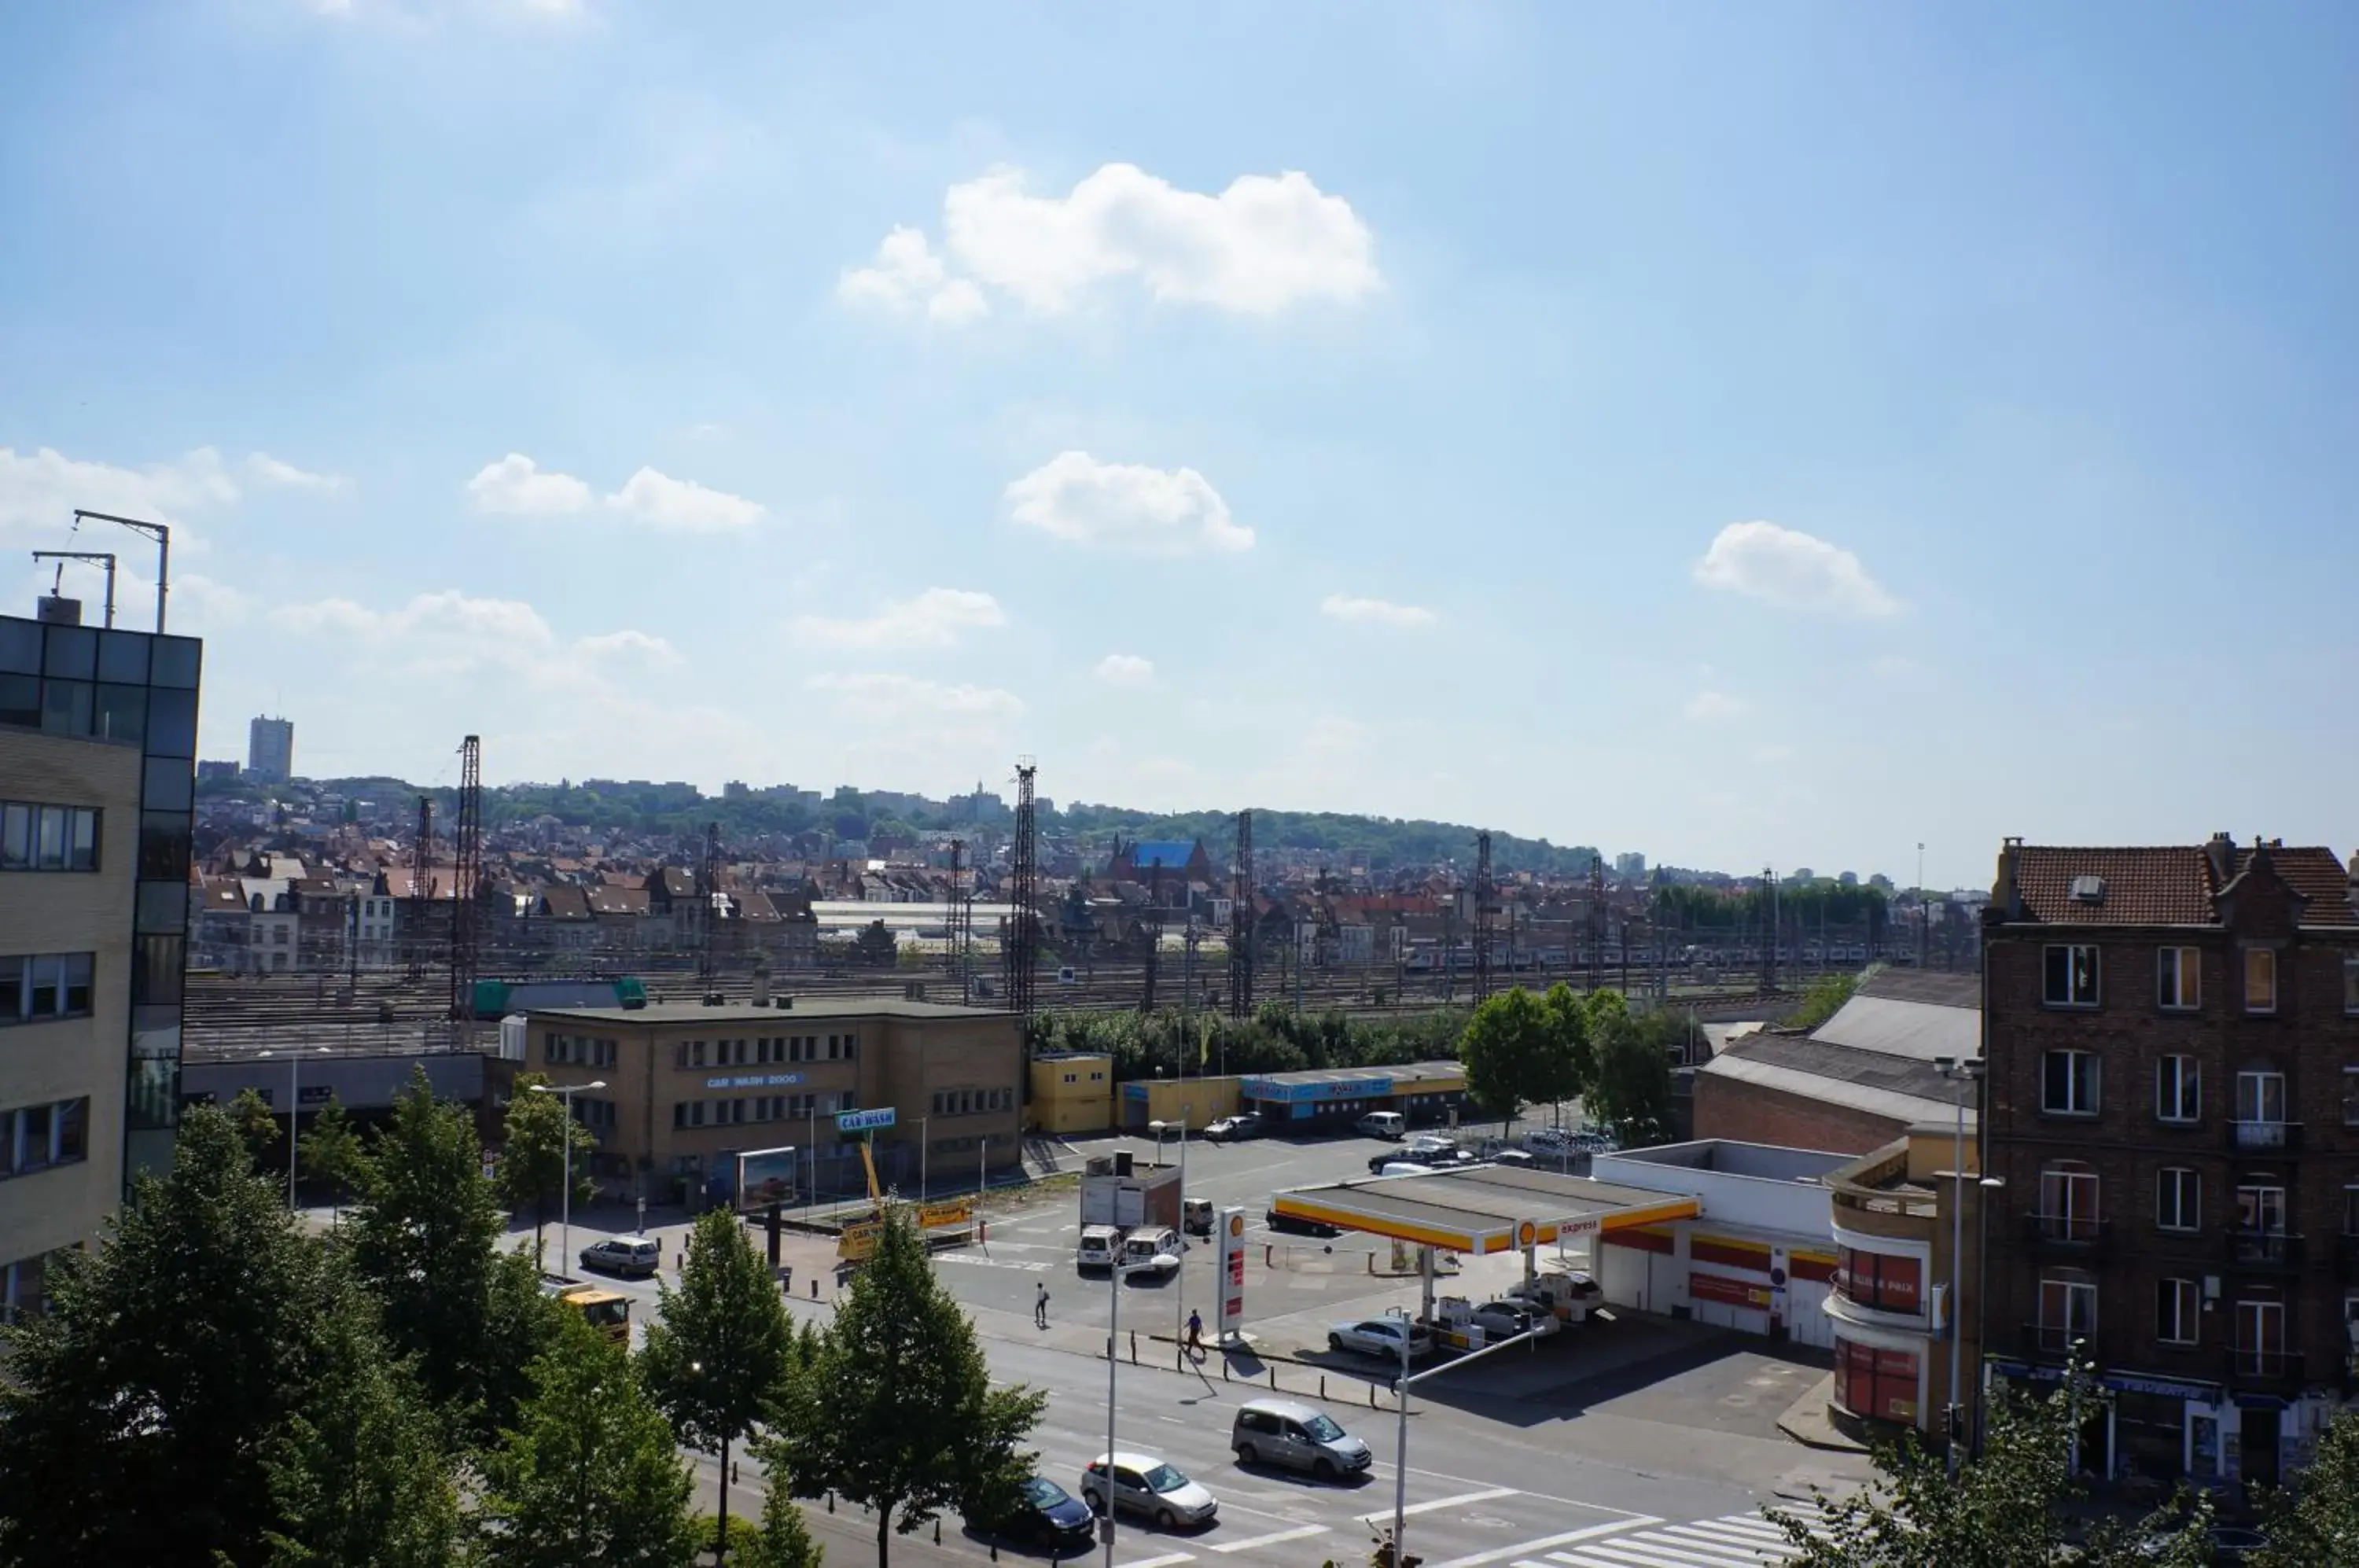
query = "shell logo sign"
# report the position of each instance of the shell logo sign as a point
(1230, 1315)
(1236, 1222)
(1526, 1234)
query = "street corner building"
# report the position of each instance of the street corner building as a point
(2172, 1104)
(938, 1089)
(98, 732)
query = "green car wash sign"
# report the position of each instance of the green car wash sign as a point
(863, 1121)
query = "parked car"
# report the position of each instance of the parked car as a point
(1295, 1435)
(1152, 1251)
(1235, 1129)
(1428, 1143)
(1096, 1249)
(1513, 1157)
(1142, 1484)
(633, 1256)
(1196, 1215)
(1046, 1515)
(1290, 1225)
(1390, 1125)
(1500, 1320)
(1380, 1336)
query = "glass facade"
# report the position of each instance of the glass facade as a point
(139, 689)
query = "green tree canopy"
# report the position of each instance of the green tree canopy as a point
(136, 1414)
(720, 1349)
(2317, 1521)
(257, 1125)
(1632, 1091)
(331, 1153)
(533, 1154)
(1514, 1053)
(589, 1473)
(898, 1412)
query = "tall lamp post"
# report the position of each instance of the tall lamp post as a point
(1965, 1073)
(1179, 1286)
(565, 1199)
(294, 1107)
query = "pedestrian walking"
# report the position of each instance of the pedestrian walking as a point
(1195, 1334)
(1040, 1306)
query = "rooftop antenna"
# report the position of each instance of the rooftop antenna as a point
(157, 531)
(101, 557)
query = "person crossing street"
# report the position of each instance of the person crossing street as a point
(1040, 1307)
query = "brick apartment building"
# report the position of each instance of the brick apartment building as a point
(2173, 1044)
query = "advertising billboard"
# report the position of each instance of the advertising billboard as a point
(1229, 1226)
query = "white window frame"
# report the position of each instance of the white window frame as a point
(2187, 1198)
(2268, 1320)
(2252, 1096)
(2350, 987)
(2183, 1073)
(2097, 1084)
(2096, 975)
(2254, 1202)
(2082, 1290)
(2178, 979)
(2269, 955)
(2070, 1201)
(2184, 1314)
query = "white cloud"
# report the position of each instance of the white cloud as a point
(1375, 612)
(906, 276)
(450, 614)
(1126, 669)
(1793, 570)
(41, 489)
(1710, 707)
(1125, 506)
(626, 645)
(1266, 244)
(935, 618)
(271, 471)
(682, 505)
(885, 700)
(514, 486)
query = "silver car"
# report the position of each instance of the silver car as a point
(1293, 1434)
(1143, 1483)
(1380, 1336)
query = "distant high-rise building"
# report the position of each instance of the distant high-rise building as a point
(94, 905)
(1630, 867)
(270, 750)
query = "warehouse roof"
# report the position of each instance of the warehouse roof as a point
(743, 1014)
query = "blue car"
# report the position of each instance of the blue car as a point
(1049, 1515)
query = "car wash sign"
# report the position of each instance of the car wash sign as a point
(1229, 1225)
(863, 1121)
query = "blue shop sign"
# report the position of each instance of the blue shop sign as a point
(863, 1121)
(1375, 1086)
(756, 1081)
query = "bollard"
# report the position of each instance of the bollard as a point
(1134, 1347)
(1323, 1385)
(814, 1287)
(1273, 1377)
(1224, 1369)
(732, 1472)
(830, 1502)
(938, 1532)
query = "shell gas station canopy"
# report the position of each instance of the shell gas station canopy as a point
(1483, 1209)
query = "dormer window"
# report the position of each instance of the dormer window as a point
(2260, 980)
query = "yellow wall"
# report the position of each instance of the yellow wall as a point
(1072, 1093)
(1202, 1100)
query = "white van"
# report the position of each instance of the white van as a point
(1158, 1248)
(1385, 1124)
(1096, 1249)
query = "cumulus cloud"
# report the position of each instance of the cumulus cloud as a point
(1709, 707)
(1125, 506)
(938, 617)
(514, 486)
(682, 505)
(1375, 612)
(1792, 569)
(272, 471)
(1266, 244)
(455, 634)
(41, 489)
(1126, 669)
(876, 698)
(628, 646)
(449, 614)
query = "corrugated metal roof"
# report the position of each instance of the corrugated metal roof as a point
(1900, 1107)
(1913, 1029)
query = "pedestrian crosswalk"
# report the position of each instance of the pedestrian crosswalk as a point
(1732, 1540)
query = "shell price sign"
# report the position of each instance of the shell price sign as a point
(1229, 1225)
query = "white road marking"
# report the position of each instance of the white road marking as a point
(991, 1262)
(1297, 1534)
(1427, 1507)
(1522, 1548)
(1166, 1561)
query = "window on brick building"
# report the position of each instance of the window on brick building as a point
(2178, 1089)
(2178, 1199)
(2351, 1210)
(2068, 1082)
(2261, 1097)
(2068, 1310)
(2071, 971)
(1884, 1281)
(2260, 980)
(2068, 1201)
(2351, 985)
(2178, 1311)
(2179, 982)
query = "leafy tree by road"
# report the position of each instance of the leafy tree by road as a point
(258, 1127)
(331, 1153)
(1510, 1055)
(135, 1414)
(2317, 1520)
(2005, 1508)
(533, 1138)
(898, 1412)
(589, 1473)
(785, 1540)
(425, 1239)
(1632, 1093)
(1574, 1053)
(720, 1349)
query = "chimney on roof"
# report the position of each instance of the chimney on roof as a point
(2005, 894)
(762, 984)
(2222, 849)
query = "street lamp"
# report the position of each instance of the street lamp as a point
(1180, 1281)
(294, 1071)
(565, 1200)
(1965, 1073)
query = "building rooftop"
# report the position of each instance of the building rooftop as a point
(2167, 884)
(744, 1013)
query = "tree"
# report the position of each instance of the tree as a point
(721, 1347)
(532, 1164)
(2317, 1521)
(135, 1413)
(424, 1238)
(257, 1125)
(361, 1474)
(2003, 1510)
(588, 1474)
(1571, 1051)
(784, 1540)
(331, 1152)
(1633, 1089)
(1509, 1053)
(898, 1412)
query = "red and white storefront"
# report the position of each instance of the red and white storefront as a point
(1880, 1316)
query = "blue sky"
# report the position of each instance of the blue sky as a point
(1743, 434)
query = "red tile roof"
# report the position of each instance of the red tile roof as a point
(2168, 885)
